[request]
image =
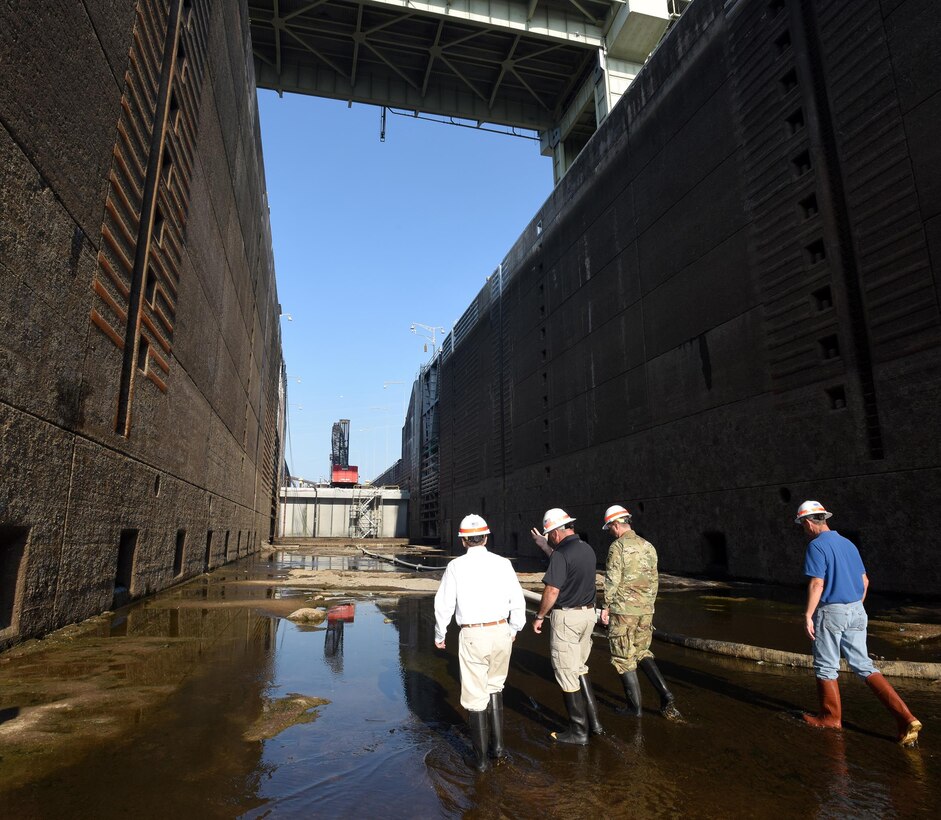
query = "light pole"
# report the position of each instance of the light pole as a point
(432, 330)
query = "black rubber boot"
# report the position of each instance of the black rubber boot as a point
(497, 749)
(591, 705)
(667, 709)
(577, 732)
(631, 692)
(479, 723)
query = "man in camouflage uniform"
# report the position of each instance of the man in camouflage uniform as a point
(630, 590)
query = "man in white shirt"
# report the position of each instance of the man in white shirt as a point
(481, 591)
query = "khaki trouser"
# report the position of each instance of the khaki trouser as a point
(484, 655)
(629, 640)
(570, 645)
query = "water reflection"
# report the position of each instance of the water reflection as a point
(168, 692)
(337, 618)
(346, 563)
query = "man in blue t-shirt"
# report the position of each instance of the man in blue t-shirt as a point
(836, 622)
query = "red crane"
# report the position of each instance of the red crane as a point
(342, 473)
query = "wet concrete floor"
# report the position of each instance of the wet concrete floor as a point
(206, 701)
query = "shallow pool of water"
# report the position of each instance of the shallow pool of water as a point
(151, 713)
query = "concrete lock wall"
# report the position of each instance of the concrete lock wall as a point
(327, 512)
(728, 305)
(140, 357)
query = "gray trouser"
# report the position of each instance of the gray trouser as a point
(570, 645)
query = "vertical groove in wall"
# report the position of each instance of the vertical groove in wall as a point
(146, 222)
(497, 466)
(507, 353)
(436, 452)
(896, 284)
(858, 325)
(142, 243)
(779, 172)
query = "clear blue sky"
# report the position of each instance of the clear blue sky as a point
(370, 237)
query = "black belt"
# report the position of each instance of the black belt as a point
(567, 608)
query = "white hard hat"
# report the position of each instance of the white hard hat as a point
(555, 518)
(613, 513)
(811, 508)
(472, 525)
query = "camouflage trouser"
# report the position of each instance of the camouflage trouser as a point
(629, 639)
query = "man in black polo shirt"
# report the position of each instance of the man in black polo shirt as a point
(570, 595)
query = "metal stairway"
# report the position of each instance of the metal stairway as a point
(366, 513)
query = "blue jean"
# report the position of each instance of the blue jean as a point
(841, 629)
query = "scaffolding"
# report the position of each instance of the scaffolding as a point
(366, 513)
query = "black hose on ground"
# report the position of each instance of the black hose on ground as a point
(392, 559)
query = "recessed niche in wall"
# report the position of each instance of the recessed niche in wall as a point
(715, 553)
(207, 556)
(836, 397)
(823, 298)
(816, 252)
(829, 347)
(801, 163)
(166, 166)
(159, 226)
(124, 571)
(12, 548)
(808, 206)
(173, 114)
(143, 347)
(178, 552)
(795, 121)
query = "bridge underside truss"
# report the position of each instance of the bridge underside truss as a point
(515, 63)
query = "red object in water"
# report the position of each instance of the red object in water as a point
(343, 612)
(344, 475)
